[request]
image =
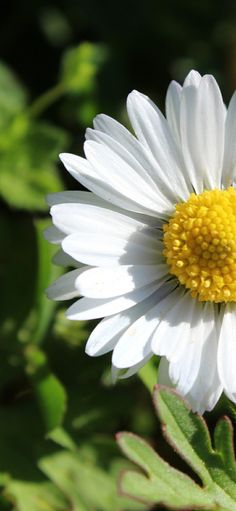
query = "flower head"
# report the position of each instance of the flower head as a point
(153, 243)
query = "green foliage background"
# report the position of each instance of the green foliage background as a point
(61, 63)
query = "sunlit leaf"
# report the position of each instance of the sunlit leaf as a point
(12, 96)
(28, 158)
(43, 496)
(80, 66)
(87, 485)
(187, 433)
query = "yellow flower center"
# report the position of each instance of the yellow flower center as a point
(200, 245)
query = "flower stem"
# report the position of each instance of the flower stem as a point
(45, 100)
(148, 375)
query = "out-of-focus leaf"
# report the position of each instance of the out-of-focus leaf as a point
(86, 485)
(18, 269)
(71, 332)
(42, 496)
(25, 313)
(28, 157)
(55, 25)
(80, 66)
(87, 109)
(49, 391)
(5, 505)
(62, 438)
(22, 444)
(12, 96)
(188, 434)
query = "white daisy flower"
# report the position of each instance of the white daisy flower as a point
(154, 242)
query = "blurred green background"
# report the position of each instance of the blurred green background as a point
(61, 63)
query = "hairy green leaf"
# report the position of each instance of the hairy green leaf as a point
(188, 434)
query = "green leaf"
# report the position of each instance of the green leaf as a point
(43, 496)
(28, 158)
(187, 433)
(70, 332)
(22, 444)
(62, 438)
(12, 96)
(18, 260)
(87, 485)
(80, 66)
(164, 484)
(224, 442)
(49, 391)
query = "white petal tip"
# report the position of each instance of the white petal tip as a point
(90, 352)
(68, 158)
(193, 78)
(63, 156)
(99, 117)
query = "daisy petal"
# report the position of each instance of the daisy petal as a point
(153, 131)
(60, 258)
(101, 184)
(173, 98)
(202, 118)
(76, 197)
(115, 131)
(72, 218)
(92, 308)
(134, 158)
(112, 130)
(106, 250)
(110, 282)
(207, 387)
(173, 327)
(64, 288)
(180, 337)
(111, 167)
(135, 343)
(107, 333)
(89, 198)
(54, 235)
(227, 351)
(197, 343)
(134, 369)
(229, 165)
(193, 78)
(193, 369)
(185, 339)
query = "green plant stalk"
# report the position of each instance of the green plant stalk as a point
(148, 375)
(46, 99)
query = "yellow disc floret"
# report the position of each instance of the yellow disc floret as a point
(200, 245)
